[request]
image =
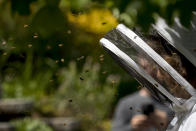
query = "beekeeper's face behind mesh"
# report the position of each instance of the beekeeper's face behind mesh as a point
(149, 63)
(159, 74)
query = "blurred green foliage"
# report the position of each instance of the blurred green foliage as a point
(81, 94)
(44, 49)
(28, 124)
(85, 90)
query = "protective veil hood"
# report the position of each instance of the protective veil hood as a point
(140, 60)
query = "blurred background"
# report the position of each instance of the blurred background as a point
(54, 75)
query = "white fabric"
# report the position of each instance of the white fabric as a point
(188, 124)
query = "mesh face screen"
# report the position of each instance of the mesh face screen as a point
(142, 59)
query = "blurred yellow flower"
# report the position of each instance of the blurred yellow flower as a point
(96, 21)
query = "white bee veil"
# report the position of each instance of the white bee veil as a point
(140, 60)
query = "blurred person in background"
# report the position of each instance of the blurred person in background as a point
(130, 113)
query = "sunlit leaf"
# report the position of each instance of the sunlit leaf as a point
(94, 21)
